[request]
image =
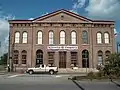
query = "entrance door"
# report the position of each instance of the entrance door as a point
(62, 59)
(39, 57)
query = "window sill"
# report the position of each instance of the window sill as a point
(39, 44)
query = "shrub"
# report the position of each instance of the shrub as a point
(91, 75)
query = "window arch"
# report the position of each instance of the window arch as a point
(73, 37)
(17, 37)
(51, 37)
(84, 37)
(107, 53)
(39, 39)
(15, 56)
(99, 37)
(62, 37)
(106, 37)
(24, 37)
(100, 57)
(24, 56)
(39, 57)
(85, 58)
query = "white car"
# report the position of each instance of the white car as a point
(42, 69)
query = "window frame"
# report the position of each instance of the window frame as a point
(24, 37)
(73, 37)
(106, 38)
(84, 38)
(99, 38)
(62, 37)
(17, 38)
(51, 37)
(40, 38)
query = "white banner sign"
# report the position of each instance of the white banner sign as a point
(62, 47)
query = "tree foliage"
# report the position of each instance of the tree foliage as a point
(112, 64)
(3, 60)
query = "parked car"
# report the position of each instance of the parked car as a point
(43, 69)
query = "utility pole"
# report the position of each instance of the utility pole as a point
(11, 54)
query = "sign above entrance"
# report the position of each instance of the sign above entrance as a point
(62, 47)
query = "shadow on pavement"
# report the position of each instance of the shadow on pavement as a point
(78, 85)
(115, 83)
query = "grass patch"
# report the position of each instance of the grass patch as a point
(95, 76)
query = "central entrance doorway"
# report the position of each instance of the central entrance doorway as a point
(39, 57)
(62, 59)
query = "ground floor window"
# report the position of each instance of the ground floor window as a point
(74, 59)
(24, 56)
(51, 58)
(107, 54)
(100, 57)
(15, 56)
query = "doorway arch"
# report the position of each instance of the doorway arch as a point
(85, 59)
(39, 57)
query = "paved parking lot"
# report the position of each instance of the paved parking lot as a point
(50, 82)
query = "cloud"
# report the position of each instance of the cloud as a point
(77, 5)
(98, 9)
(4, 31)
(30, 18)
(103, 9)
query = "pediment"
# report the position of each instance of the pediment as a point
(62, 16)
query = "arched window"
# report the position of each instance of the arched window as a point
(62, 37)
(106, 37)
(99, 38)
(107, 53)
(84, 37)
(39, 35)
(51, 37)
(73, 37)
(15, 56)
(24, 37)
(17, 37)
(85, 59)
(24, 56)
(100, 57)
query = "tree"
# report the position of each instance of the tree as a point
(3, 60)
(112, 64)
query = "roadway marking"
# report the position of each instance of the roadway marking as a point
(58, 76)
(14, 76)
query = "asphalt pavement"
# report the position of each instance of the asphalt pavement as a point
(51, 82)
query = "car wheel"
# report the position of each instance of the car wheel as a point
(51, 72)
(30, 72)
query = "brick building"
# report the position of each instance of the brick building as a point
(61, 38)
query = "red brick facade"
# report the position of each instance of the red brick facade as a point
(58, 21)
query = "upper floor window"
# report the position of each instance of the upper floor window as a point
(73, 37)
(99, 38)
(106, 38)
(24, 37)
(62, 37)
(17, 37)
(84, 37)
(39, 37)
(51, 37)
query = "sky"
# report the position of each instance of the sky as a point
(29, 9)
